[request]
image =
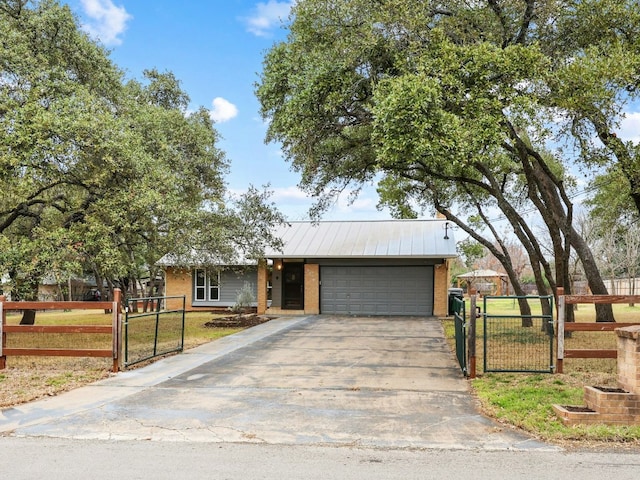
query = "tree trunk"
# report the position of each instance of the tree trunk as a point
(528, 241)
(503, 257)
(553, 200)
(604, 312)
(27, 289)
(28, 317)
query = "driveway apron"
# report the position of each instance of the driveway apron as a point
(363, 381)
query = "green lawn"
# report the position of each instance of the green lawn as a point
(525, 400)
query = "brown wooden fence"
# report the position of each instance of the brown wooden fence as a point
(564, 326)
(114, 329)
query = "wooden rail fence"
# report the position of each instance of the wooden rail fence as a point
(564, 326)
(114, 329)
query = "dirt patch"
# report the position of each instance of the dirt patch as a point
(238, 321)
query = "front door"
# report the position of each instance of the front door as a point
(293, 288)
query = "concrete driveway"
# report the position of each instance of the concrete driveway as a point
(325, 380)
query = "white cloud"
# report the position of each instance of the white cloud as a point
(267, 16)
(106, 21)
(287, 194)
(366, 201)
(223, 110)
(630, 127)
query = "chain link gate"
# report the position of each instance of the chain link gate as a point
(154, 332)
(518, 343)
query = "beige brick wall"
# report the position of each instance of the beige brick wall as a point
(178, 282)
(629, 358)
(440, 289)
(262, 287)
(311, 289)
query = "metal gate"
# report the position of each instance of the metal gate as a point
(518, 343)
(153, 332)
(461, 332)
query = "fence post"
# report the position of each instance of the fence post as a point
(561, 320)
(3, 335)
(117, 330)
(472, 334)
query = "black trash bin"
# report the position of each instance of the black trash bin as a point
(454, 293)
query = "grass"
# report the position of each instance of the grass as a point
(524, 400)
(28, 378)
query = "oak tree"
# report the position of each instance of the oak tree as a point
(468, 107)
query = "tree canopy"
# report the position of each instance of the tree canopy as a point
(100, 174)
(465, 107)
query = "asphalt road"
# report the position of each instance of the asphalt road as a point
(65, 459)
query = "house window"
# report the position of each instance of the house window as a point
(206, 285)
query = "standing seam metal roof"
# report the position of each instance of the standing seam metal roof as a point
(366, 239)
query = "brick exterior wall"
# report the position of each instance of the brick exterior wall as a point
(629, 359)
(441, 289)
(311, 289)
(178, 282)
(262, 287)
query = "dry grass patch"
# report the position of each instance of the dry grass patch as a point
(28, 378)
(31, 378)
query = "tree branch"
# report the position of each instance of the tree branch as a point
(503, 21)
(527, 18)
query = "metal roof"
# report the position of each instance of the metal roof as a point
(197, 259)
(366, 239)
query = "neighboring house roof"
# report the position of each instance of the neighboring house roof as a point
(50, 279)
(366, 239)
(482, 274)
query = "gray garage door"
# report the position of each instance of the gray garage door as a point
(403, 290)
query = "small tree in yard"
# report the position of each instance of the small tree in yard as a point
(244, 298)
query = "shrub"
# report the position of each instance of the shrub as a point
(244, 298)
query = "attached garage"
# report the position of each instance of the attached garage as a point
(389, 267)
(376, 290)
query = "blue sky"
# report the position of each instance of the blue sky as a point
(215, 47)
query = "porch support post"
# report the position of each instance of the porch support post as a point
(311, 289)
(262, 286)
(441, 282)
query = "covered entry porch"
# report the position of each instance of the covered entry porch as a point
(358, 268)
